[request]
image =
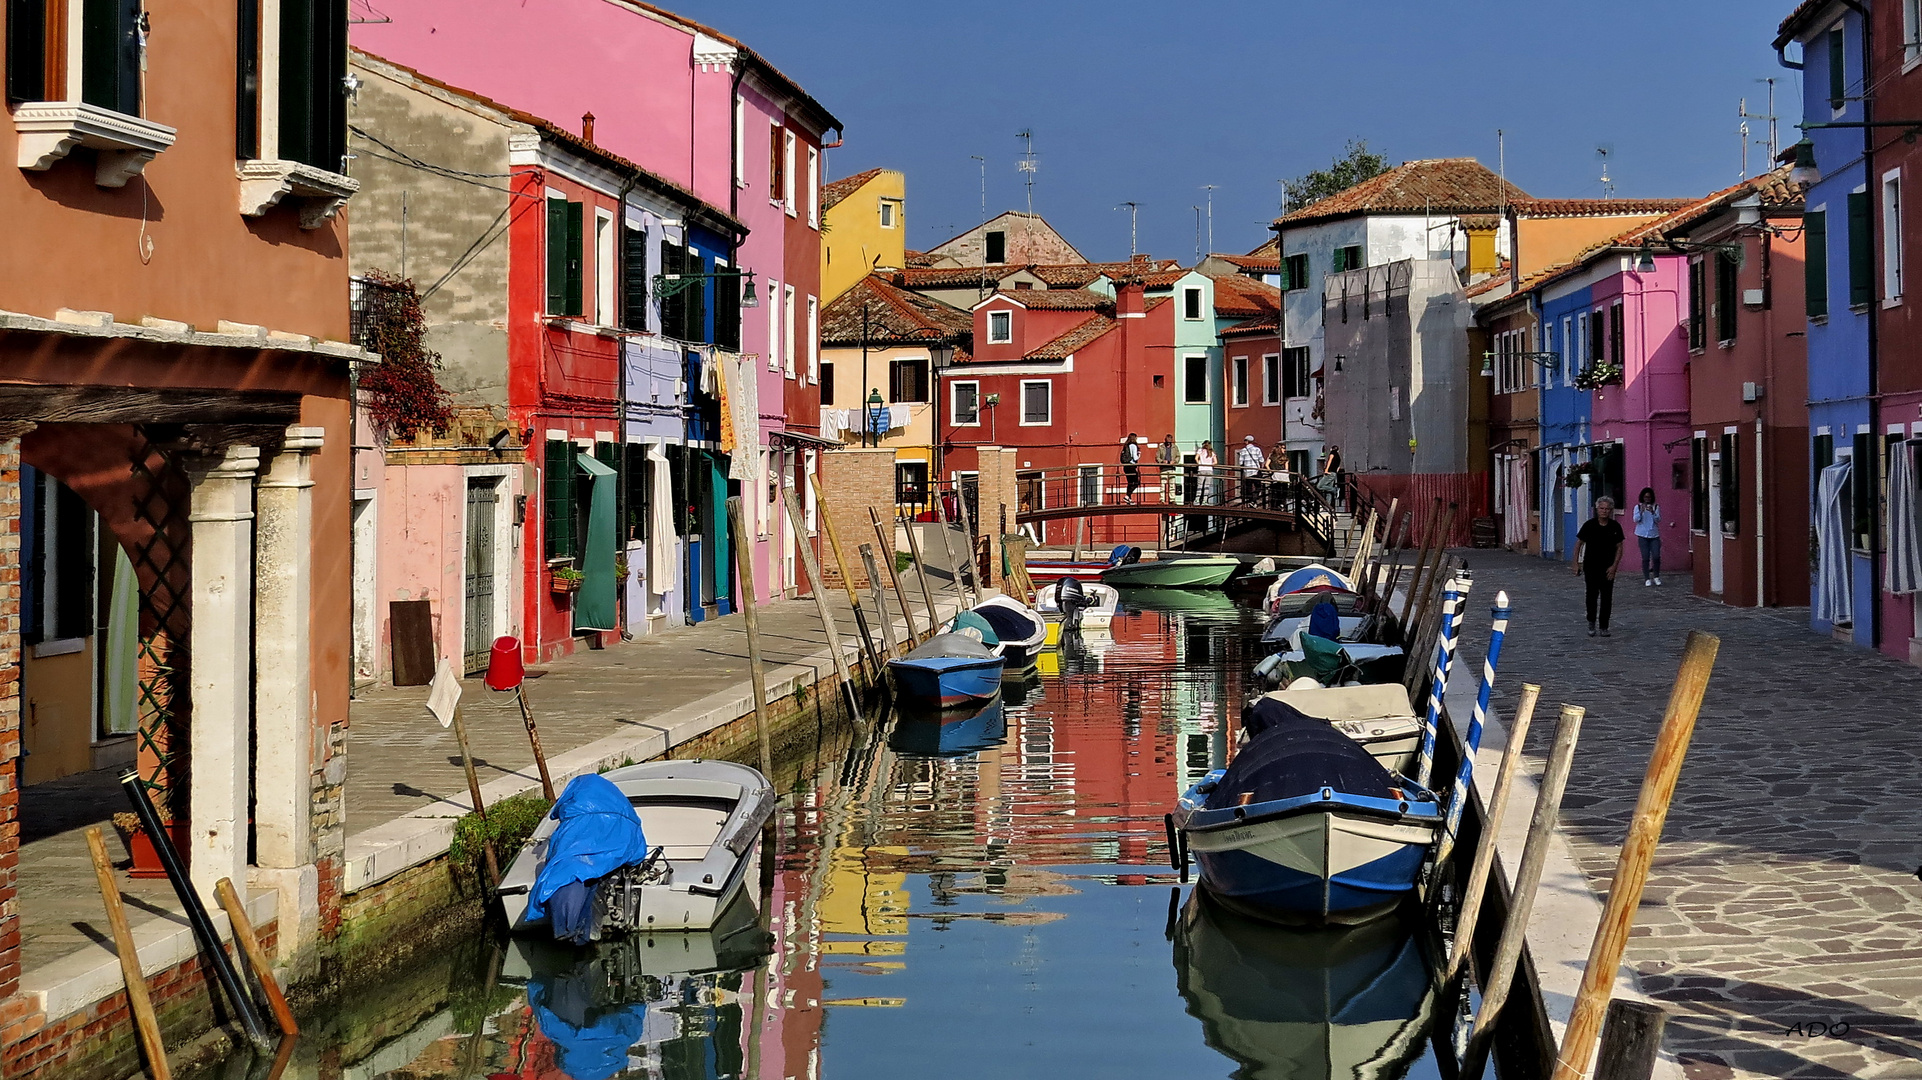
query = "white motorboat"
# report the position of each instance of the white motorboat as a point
(1378, 717)
(1104, 603)
(702, 821)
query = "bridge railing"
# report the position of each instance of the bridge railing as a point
(1097, 485)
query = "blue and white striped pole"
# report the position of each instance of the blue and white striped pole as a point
(1452, 596)
(1465, 776)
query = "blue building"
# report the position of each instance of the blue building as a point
(1566, 413)
(1839, 242)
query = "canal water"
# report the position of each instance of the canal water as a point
(975, 895)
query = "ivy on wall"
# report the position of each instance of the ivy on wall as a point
(403, 392)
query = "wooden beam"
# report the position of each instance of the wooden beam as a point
(146, 405)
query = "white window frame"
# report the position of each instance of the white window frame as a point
(1207, 395)
(814, 339)
(740, 145)
(1201, 304)
(1271, 377)
(954, 414)
(1049, 385)
(1572, 341)
(890, 214)
(1911, 33)
(1238, 388)
(787, 172)
(604, 240)
(787, 332)
(1892, 238)
(773, 325)
(814, 188)
(1006, 337)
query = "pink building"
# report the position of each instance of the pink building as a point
(695, 107)
(1640, 326)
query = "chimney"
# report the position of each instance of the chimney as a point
(587, 126)
(1129, 301)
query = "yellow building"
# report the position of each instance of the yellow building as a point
(863, 228)
(879, 346)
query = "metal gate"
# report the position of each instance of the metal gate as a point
(482, 497)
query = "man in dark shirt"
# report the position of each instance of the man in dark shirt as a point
(1598, 552)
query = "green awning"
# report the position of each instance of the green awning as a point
(594, 603)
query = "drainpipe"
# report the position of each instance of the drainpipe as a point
(621, 341)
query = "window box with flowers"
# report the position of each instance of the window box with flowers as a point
(1596, 376)
(565, 580)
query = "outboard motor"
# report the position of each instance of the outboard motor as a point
(1071, 598)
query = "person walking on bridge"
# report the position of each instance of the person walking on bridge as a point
(1131, 464)
(1249, 460)
(1205, 462)
(1598, 553)
(1167, 455)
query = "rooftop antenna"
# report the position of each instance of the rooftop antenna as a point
(984, 184)
(1608, 186)
(1741, 130)
(1197, 211)
(1027, 164)
(1210, 189)
(1133, 210)
(1773, 147)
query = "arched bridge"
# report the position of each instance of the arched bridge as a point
(1101, 491)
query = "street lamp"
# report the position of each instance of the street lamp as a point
(875, 405)
(1804, 171)
(667, 286)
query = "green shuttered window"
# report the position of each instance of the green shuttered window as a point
(1815, 248)
(1861, 251)
(564, 239)
(559, 498)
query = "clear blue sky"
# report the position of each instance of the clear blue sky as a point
(1132, 100)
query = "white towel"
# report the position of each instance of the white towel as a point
(897, 417)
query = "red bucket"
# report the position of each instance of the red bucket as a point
(505, 671)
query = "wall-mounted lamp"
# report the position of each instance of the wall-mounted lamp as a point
(1339, 357)
(498, 440)
(1804, 171)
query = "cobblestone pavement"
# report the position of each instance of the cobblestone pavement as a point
(1784, 901)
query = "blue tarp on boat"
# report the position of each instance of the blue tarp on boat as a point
(598, 833)
(1290, 753)
(1313, 576)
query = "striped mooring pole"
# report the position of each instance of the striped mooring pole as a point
(1465, 776)
(1452, 596)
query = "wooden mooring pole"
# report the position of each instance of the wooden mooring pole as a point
(886, 551)
(1541, 829)
(1491, 831)
(812, 566)
(880, 598)
(256, 957)
(138, 1001)
(921, 576)
(947, 545)
(854, 598)
(1638, 852)
(756, 673)
(1408, 626)
(1631, 1041)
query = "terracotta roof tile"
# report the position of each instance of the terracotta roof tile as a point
(1435, 185)
(1260, 324)
(952, 277)
(1074, 340)
(1487, 285)
(1596, 207)
(1154, 302)
(1259, 262)
(920, 259)
(1242, 297)
(894, 315)
(1068, 277)
(1792, 25)
(1059, 299)
(834, 191)
(1163, 279)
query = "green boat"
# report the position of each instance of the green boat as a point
(1198, 572)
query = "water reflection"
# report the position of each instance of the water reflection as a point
(1342, 1003)
(986, 894)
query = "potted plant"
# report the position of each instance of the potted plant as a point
(566, 580)
(620, 569)
(146, 861)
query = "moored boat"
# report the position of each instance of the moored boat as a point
(1021, 630)
(663, 845)
(948, 669)
(949, 732)
(1046, 567)
(1305, 825)
(1183, 572)
(1101, 603)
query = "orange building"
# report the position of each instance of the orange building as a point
(176, 429)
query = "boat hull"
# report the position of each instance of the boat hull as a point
(1172, 574)
(946, 681)
(1325, 861)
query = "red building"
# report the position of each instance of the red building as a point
(1063, 376)
(1255, 346)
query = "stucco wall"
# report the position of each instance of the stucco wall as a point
(853, 240)
(1030, 240)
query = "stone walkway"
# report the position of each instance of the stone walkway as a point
(1782, 925)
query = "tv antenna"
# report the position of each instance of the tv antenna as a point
(1608, 186)
(1133, 211)
(984, 184)
(1197, 211)
(1774, 147)
(1210, 189)
(1028, 165)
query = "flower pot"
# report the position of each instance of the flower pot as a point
(146, 861)
(565, 586)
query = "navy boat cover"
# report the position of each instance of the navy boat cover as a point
(1008, 624)
(598, 833)
(1290, 754)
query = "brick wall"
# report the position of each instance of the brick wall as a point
(9, 718)
(999, 491)
(855, 481)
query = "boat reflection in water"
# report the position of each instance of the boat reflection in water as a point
(925, 732)
(675, 1000)
(1342, 1003)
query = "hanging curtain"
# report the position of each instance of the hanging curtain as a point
(1515, 520)
(661, 560)
(743, 418)
(1833, 599)
(119, 712)
(1903, 573)
(594, 603)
